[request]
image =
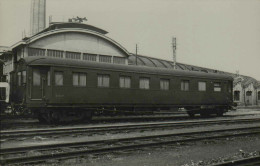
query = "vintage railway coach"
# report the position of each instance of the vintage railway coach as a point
(60, 89)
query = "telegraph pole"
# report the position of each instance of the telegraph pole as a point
(136, 47)
(174, 52)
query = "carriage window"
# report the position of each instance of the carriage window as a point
(23, 77)
(185, 85)
(164, 84)
(19, 78)
(103, 80)
(229, 87)
(202, 86)
(36, 78)
(144, 83)
(79, 79)
(58, 78)
(49, 78)
(125, 82)
(258, 95)
(217, 87)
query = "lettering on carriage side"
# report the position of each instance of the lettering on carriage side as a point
(59, 95)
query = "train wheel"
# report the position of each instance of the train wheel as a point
(53, 117)
(41, 119)
(191, 114)
(204, 114)
(87, 116)
(220, 113)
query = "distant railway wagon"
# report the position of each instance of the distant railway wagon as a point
(59, 89)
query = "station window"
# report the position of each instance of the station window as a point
(58, 78)
(103, 80)
(89, 57)
(125, 82)
(79, 79)
(55, 53)
(237, 95)
(249, 93)
(144, 83)
(258, 95)
(36, 78)
(19, 78)
(36, 52)
(202, 86)
(164, 84)
(104, 58)
(185, 85)
(217, 87)
(119, 60)
(72, 55)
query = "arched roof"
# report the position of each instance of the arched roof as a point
(66, 30)
(160, 63)
(60, 25)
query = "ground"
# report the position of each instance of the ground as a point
(190, 154)
(181, 154)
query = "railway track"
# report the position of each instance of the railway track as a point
(251, 161)
(12, 134)
(33, 123)
(75, 149)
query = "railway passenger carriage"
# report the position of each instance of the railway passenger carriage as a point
(58, 89)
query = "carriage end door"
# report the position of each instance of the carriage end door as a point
(38, 83)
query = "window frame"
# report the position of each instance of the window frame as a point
(124, 77)
(33, 77)
(163, 87)
(23, 80)
(79, 74)
(48, 78)
(214, 87)
(19, 78)
(142, 79)
(102, 83)
(249, 93)
(202, 90)
(236, 95)
(55, 81)
(184, 88)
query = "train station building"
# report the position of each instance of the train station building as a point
(78, 41)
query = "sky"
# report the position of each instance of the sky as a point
(217, 34)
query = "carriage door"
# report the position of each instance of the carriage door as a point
(38, 83)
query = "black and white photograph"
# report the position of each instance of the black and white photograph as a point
(130, 82)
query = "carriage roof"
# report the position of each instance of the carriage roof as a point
(62, 62)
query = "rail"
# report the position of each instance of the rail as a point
(107, 145)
